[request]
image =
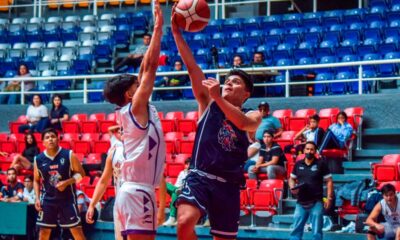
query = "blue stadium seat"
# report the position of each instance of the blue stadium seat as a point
(283, 51)
(140, 24)
(271, 22)
(376, 13)
(368, 46)
(272, 40)
(214, 25)
(292, 20)
(341, 87)
(325, 48)
(232, 25)
(332, 17)
(370, 57)
(202, 55)
(51, 32)
(311, 19)
(353, 15)
(236, 39)
(10, 74)
(266, 49)
(390, 45)
(368, 85)
(348, 58)
(245, 52)
(304, 72)
(218, 39)
(252, 23)
(347, 47)
(199, 39)
(254, 38)
(322, 88)
(393, 29)
(81, 66)
(374, 3)
(292, 38)
(314, 35)
(304, 50)
(325, 60)
(389, 69)
(96, 96)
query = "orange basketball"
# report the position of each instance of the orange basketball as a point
(192, 15)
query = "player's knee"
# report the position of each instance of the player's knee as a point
(44, 233)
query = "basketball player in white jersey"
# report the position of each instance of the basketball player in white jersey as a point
(114, 161)
(389, 207)
(143, 141)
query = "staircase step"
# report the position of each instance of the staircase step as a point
(381, 131)
(379, 153)
(345, 178)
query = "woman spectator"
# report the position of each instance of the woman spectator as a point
(37, 116)
(337, 134)
(25, 160)
(58, 113)
(271, 159)
(15, 86)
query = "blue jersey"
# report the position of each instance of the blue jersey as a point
(220, 148)
(54, 170)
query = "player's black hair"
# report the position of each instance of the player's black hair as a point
(115, 88)
(49, 130)
(248, 81)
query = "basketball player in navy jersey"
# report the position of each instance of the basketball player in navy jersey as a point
(220, 149)
(59, 170)
(143, 142)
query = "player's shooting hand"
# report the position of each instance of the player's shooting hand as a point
(174, 25)
(213, 87)
(38, 205)
(158, 14)
(62, 185)
(90, 214)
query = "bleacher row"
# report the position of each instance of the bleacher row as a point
(66, 46)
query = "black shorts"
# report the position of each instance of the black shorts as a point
(220, 200)
(60, 213)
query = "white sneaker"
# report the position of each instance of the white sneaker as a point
(170, 222)
(350, 228)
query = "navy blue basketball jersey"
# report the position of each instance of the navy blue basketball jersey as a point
(220, 148)
(54, 170)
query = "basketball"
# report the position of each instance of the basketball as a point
(192, 15)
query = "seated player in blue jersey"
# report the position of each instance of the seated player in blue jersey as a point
(144, 146)
(56, 171)
(220, 149)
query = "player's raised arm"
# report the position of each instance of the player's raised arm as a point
(148, 70)
(195, 73)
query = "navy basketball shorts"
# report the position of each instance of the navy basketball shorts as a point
(63, 213)
(220, 200)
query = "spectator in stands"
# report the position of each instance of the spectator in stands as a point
(238, 62)
(389, 207)
(13, 192)
(337, 134)
(25, 160)
(36, 115)
(173, 191)
(306, 181)
(15, 86)
(268, 122)
(58, 113)
(252, 153)
(29, 193)
(258, 60)
(271, 159)
(135, 58)
(175, 81)
(311, 132)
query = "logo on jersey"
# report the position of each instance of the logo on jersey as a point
(62, 161)
(55, 178)
(227, 136)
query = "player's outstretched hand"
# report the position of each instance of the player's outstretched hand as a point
(89, 215)
(38, 206)
(158, 15)
(61, 185)
(213, 87)
(174, 25)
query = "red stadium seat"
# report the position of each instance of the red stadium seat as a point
(104, 125)
(79, 117)
(89, 127)
(286, 138)
(347, 209)
(173, 169)
(171, 139)
(65, 144)
(354, 116)
(3, 178)
(388, 169)
(283, 116)
(8, 147)
(189, 123)
(171, 180)
(4, 137)
(161, 115)
(327, 117)
(110, 192)
(186, 145)
(181, 158)
(300, 119)
(170, 121)
(169, 158)
(70, 137)
(111, 117)
(90, 136)
(268, 197)
(105, 137)
(101, 146)
(82, 146)
(93, 158)
(80, 157)
(97, 117)
(20, 146)
(396, 184)
(70, 127)
(17, 137)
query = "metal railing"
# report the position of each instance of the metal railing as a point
(219, 72)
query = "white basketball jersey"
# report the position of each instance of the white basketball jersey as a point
(391, 217)
(117, 159)
(144, 148)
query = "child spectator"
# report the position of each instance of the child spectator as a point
(25, 160)
(13, 192)
(271, 159)
(29, 193)
(173, 191)
(310, 133)
(337, 134)
(37, 116)
(59, 113)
